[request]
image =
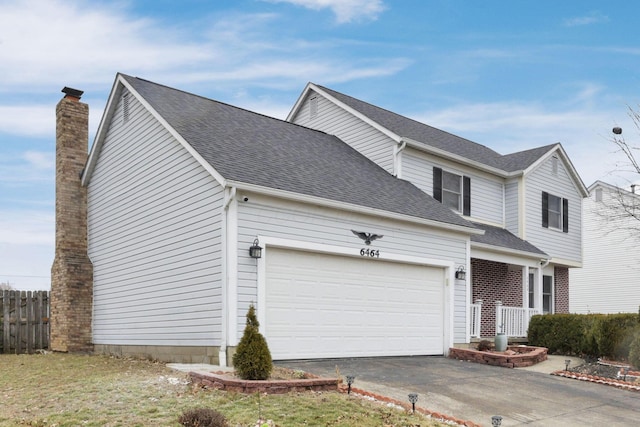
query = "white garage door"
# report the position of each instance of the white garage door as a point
(320, 306)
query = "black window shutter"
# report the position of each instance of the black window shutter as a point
(565, 215)
(545, 209)
(437, 184)
(466, 196)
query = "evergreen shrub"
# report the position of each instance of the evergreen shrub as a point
(252, 359)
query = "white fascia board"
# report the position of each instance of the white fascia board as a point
(366, 119)
(566, 262)
(421, 146)
(582, 188)
(121, 81)
(296, 107)
(506, 255)
(116, 89)
(313, 200)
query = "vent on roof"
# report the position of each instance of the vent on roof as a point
(554, 165)
(125, 107)
(313, 107)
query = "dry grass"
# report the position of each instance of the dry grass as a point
(74, 390)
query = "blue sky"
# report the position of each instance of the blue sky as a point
(509, 75)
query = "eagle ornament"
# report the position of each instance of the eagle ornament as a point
(367, 237)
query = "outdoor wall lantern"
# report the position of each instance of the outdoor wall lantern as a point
(350, 380)
(461, 274)
(496, 420)
(255, 251)
(413, 398)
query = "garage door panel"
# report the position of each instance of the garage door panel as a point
(332, 306)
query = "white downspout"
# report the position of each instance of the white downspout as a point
(229, 195)
(397, 164)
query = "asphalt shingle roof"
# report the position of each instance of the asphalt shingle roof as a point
(496, 236)
(430, 136)
(252, 148)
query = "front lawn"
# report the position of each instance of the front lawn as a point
(73, 390)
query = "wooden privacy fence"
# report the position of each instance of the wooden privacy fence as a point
(24, 321)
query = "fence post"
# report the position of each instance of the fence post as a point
(6, 321)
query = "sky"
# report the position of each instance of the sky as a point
(511, 75)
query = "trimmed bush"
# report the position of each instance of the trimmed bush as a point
(203, 417)
(252, 359)
(560, 333)
(634, 350)
(597, 335)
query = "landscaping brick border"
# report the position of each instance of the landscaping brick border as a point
(220, 381)
(407, 406)
(526, 356)
(596, 379)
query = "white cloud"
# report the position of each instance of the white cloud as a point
(345, 10)
(27, 227)
(46, 41)
(40, 159)
(594, 17)
(29, 120)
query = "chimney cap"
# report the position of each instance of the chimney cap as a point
(74, 93)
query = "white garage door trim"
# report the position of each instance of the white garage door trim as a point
(448, 292)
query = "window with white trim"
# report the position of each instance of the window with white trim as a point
(452, 190)
(555, 212)
(532, 291)
(547, 294)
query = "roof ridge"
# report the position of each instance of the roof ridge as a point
(222, 103)
(407, 118)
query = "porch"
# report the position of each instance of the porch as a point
(512, 321)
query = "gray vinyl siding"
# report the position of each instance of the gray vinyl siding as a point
(608, 280)
(554, 242)
(486, 193)
(363, 137)
(512, 221)
(154, 239)
(325, 226)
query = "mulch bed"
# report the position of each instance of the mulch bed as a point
(605, 372)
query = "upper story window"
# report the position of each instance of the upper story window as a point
(555, 212)
(452, 190)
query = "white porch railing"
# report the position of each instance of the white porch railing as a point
(476, 312)
(514, 321)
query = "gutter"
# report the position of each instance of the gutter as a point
(229, 196)
(397, 163)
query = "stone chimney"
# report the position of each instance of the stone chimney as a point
(72, 271)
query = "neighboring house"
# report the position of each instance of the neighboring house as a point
(608, 281)
(529, 203)
(180, 187)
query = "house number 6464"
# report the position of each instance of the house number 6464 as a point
(371, 253)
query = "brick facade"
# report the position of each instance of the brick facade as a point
(72, 271)
(494, 281)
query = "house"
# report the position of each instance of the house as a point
(354, 231)
(608, 281)
(528, 203)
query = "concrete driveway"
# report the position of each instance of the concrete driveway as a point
(475, 392)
